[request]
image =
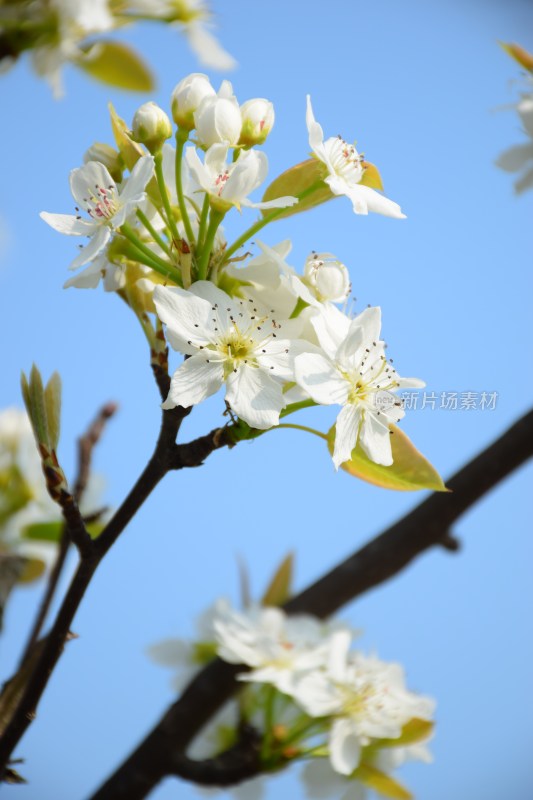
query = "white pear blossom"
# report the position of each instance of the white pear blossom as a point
(193, 18)
(278, 648)
(345, 171)
(367, 698)
(230, 184)
(353, 372)
(228, 342)
(218, 118)
(107, 205)
(75, 21)
(187, 657)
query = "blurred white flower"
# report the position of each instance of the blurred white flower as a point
(367, 698)
(279, 648)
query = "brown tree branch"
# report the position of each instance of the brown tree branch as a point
(167, 456)
(162, 751)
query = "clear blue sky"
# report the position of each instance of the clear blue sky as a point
(417, 84)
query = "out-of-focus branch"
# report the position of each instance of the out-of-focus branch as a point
(162, 751)
(86, 445)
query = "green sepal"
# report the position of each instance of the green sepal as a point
(278, 590)
(409, 472)
(116, 64)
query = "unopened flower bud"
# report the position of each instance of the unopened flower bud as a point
(327, 276)
(151, 126)
(218, 119)
(257, 121)
(187, 96)
(106, 155)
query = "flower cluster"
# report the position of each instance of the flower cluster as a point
(274, 338)
(61, 31)
(311, 696)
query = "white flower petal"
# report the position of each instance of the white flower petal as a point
(207, 48)
(316, 134)
(374, 438)
(515, 158)
(365, 199)
(346, 433)
(170, 652)
(194, 381)
(321, 380)
(186, 316)
(89, 278)
(88, 179)
(255, 397)
(69, 224)
(136, 183)
(344, 746)
(93, 247)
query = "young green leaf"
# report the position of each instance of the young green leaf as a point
(52, 401)
(37, 408)
(117, 65)
(279, 588)
(416, 730)
(381, 783)
(43, 531)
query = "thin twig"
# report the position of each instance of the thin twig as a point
(162, 751)
(167, 456)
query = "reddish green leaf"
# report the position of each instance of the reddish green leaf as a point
(408, 472)
(294, 182)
